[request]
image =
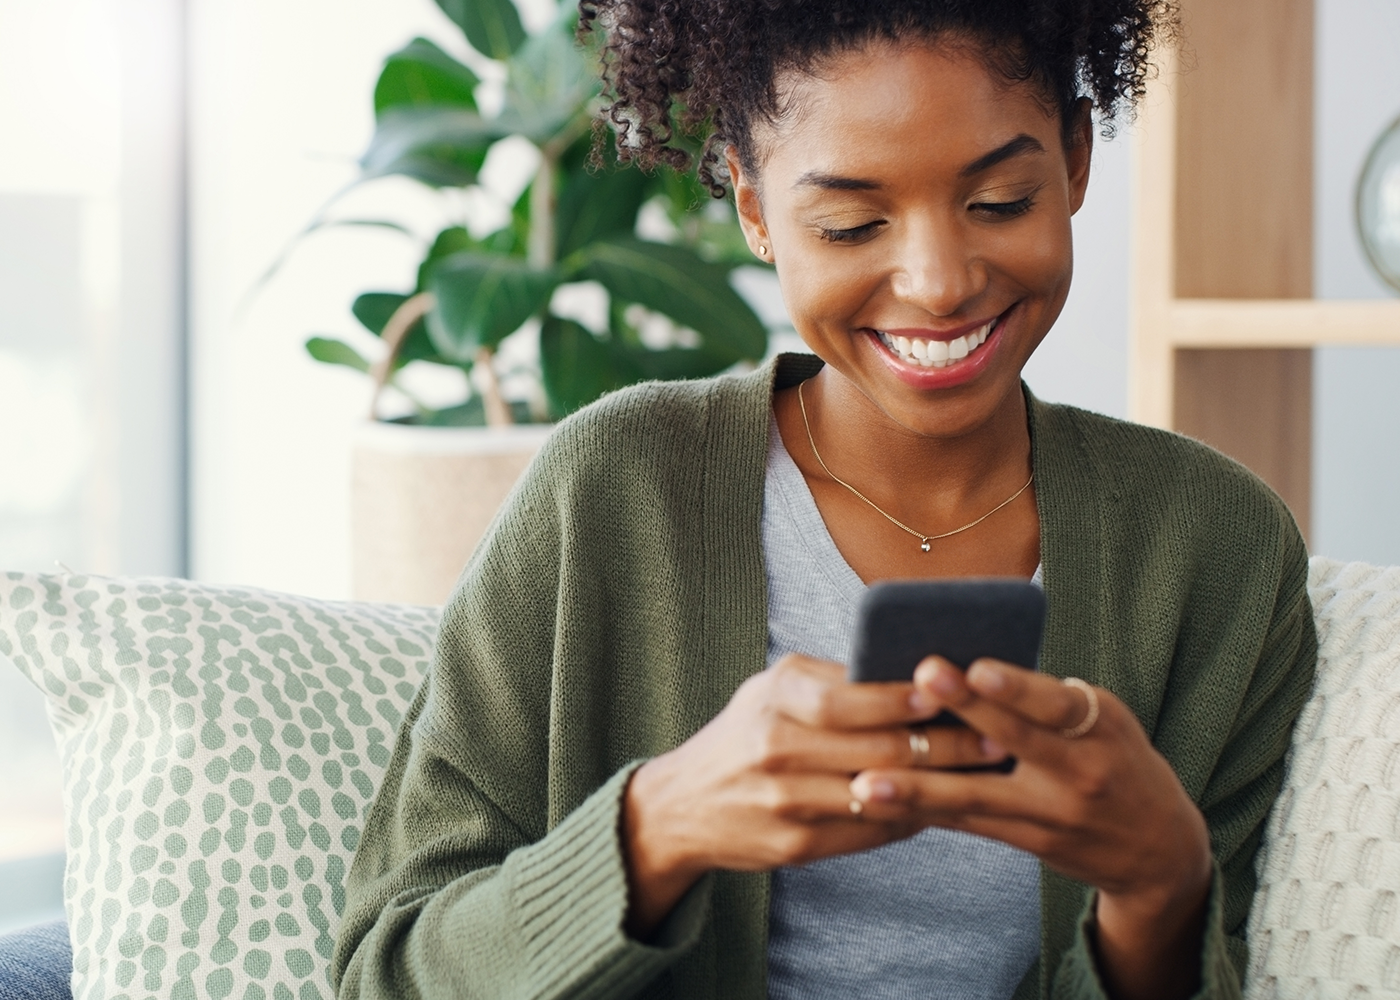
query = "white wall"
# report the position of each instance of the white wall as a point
(1084, 360)
(1356, 394)
(281, 108)
(90, 322)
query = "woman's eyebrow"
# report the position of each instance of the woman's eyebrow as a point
(835, 182)
(1018, 146)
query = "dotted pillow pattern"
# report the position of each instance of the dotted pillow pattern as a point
(220, 750)
(1324, 921)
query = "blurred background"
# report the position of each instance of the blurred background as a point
(159, 415)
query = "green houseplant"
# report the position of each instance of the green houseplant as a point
(576, 221)
(426, 486)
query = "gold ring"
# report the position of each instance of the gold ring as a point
(918, 747)
(1090, 717)
(857, 807)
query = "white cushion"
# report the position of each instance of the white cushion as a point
(220, 748)
(1324, 922)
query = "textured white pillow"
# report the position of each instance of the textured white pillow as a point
(220, 749)
(1324, 922)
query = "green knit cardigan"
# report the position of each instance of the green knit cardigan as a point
(619, 600)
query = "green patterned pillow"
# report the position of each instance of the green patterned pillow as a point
(220, 748)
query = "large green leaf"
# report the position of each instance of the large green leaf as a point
(492, 26)
(452, 240)
(336, 352)
(667, 363)
(597, 203)
(674, 281)
(373, 310)
(549, 84)
(578, 368)
(443, 147)
(483, 299)
(422, 75)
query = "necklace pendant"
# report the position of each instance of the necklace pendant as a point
(925, 545)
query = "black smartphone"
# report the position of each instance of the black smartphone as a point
(901, 623)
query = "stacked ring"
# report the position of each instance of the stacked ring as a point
(919, 747)
(1091, 715)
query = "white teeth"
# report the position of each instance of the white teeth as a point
(936, 353)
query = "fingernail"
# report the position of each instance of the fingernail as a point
(944, 680)
(985, 678)
(881, 790)
(991, 749)
(873, 789)
(922, 702)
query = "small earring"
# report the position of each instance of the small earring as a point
(762, 250)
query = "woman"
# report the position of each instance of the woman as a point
(601, 791)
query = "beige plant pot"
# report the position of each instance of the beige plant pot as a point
(421, 499)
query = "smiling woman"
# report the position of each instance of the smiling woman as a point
(603, 792)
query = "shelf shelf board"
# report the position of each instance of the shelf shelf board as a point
(1275, 323)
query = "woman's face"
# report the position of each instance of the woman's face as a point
(917, 206)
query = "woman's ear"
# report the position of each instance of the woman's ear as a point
(749, 206)
(1080, 152)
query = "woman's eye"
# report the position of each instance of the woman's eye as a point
(1005, 209)
(851, 235)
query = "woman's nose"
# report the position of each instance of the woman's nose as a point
(938, 270)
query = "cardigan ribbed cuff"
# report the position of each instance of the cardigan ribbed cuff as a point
(1078, 975)
(569, 900)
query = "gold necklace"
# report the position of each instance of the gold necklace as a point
(925, 541)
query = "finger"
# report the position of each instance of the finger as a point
(891, 795)
(1024, 711)
(792, 746)
(805, 798)
(1045, 700)
(816, 693)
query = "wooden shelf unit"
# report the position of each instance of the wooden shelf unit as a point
(1224, 322)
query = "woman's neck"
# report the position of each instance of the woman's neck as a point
(933, 483)
(946, 470)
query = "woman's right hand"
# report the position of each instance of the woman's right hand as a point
(767, 782)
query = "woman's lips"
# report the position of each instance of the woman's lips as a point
(927, 352)
(944, 363)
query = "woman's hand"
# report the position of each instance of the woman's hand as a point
(768, 781)
(1105, 808)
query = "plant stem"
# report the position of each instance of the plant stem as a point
(497, 412)
(542, 241)
(540, 251)
(395, 331)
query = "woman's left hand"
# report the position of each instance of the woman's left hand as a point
(1104, 808)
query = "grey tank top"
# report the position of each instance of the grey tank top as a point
(943, 914)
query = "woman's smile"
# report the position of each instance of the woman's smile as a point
(939, 359)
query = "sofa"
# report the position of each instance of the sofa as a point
(221, 746)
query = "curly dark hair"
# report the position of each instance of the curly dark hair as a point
(710, 67)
